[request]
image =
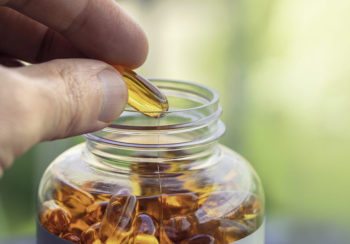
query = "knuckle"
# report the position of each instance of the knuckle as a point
(46, 46)
(72, 97)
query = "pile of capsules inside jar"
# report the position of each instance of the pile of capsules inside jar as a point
(83, 216)
(116, 216)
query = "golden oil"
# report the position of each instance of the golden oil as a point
(143, 95)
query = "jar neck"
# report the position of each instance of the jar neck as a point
(150, 160)
(185, 138)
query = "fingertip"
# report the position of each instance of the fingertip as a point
(142, 51)
(115, 95)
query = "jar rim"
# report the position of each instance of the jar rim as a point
(206, 107)
(214, 95)
(196, 123)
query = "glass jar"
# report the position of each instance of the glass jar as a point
(145, 180)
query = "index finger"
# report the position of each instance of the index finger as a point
(100, 29)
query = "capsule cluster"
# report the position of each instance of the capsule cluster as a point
(81, 216)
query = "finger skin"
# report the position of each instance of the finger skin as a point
(99, 29)
(53, 100)
(31, 41)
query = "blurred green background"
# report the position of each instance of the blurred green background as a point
(282, 71)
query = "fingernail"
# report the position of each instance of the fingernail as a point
(114, 93)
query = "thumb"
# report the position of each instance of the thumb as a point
(56, 99)
(73, 96)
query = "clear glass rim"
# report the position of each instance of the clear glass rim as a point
(213, 93)
(210, 103)
(196, 124)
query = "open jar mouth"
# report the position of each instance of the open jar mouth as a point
(192, 119)
(190, 104)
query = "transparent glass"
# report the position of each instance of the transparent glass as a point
(145, 180)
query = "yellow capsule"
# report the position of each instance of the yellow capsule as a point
(182, 204)
(118, 215)
(95, 212)
(124, 237)
(54, 217)
(73, 198)
(72, 238)
(143, 95)
(145, 239)
(77, 227)
(145, 224)
(232, 231)
(150, 206)
(90, 236)
(199, 239)
(163, 237)
(179, 228)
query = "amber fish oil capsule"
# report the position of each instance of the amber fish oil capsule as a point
(143, 95)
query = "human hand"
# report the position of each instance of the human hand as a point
(63, 97)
